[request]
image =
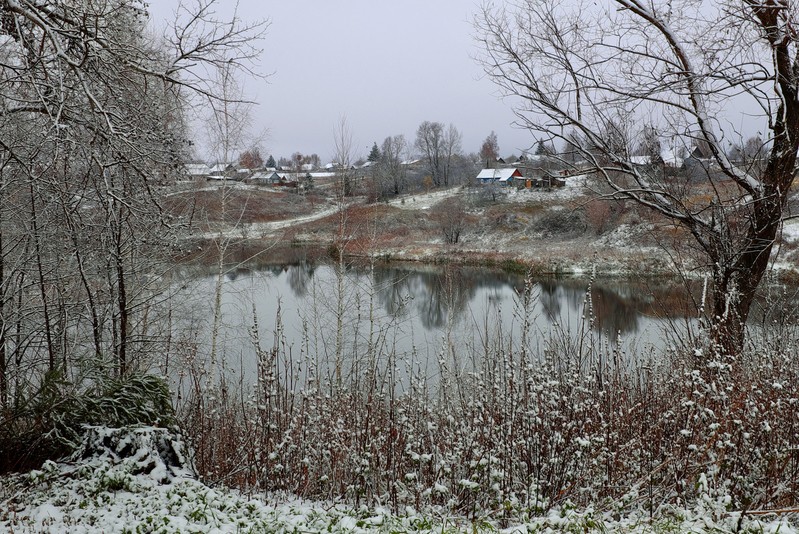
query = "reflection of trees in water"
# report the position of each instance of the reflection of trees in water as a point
(448, 293)
(233, 274)
(392, 287)
(554, 294)
(437, 296)
(614, 314)
(550, 295)
(299, 278)
(440, 295)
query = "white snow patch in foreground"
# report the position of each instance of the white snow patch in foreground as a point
(135, 483)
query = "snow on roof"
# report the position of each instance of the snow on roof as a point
(195, 169)
(219, 167)
(261, 175)
(500, 175)
(670, 157)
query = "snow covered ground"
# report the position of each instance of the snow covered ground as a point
(423, 201)
(140, 481)
(790, 230)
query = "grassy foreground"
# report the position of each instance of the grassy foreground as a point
(133, 481)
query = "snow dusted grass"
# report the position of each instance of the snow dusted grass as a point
(424, 201)
(140, 492)
(519, 432)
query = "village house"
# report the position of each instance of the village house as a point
(196, 171)
(503, 176)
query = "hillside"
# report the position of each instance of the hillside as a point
(563, 230)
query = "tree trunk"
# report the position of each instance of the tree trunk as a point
(3, 356)
(736, 282)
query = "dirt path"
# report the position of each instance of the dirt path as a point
(421, 201)
(424, 201)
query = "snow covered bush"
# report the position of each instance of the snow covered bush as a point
(49, 423)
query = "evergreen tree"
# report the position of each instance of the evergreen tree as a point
(374, 154)
(271, 163)
(541, 149)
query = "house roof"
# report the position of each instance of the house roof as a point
(640, 160)
(261, 175)
(671, 157)
(196, 169)
(220, 167)
(499, 175)
(668, 156)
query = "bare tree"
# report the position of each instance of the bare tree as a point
(572, 152)
(251, 158)
(344, 155)
(439, 144)
(592, 69)
(451, 216)
(649, 145)
(390, 172)
(452, 151)
(92, 129)
(229, 118)
(489, 150)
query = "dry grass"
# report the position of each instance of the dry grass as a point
(232, 205)
(518, 431)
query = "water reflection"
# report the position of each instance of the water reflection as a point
(299, 278)
(410, 319)
(444, 296)
(334, 319)
(438, 297)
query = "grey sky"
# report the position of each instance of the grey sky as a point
(385, 65)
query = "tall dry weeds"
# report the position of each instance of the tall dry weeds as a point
(517, 426)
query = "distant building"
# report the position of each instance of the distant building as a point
(503, 176)
(196, 171)
(221, 171)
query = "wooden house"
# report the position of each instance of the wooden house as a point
(503, 176)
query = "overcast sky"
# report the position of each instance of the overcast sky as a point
(384, 65)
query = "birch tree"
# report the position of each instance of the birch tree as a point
(686, 68)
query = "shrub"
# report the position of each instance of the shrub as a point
(561, 223)
(49, 423)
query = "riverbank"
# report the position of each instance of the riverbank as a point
(548, 233)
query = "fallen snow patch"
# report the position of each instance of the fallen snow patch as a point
(790, 231)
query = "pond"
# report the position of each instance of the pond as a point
(332, 320)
